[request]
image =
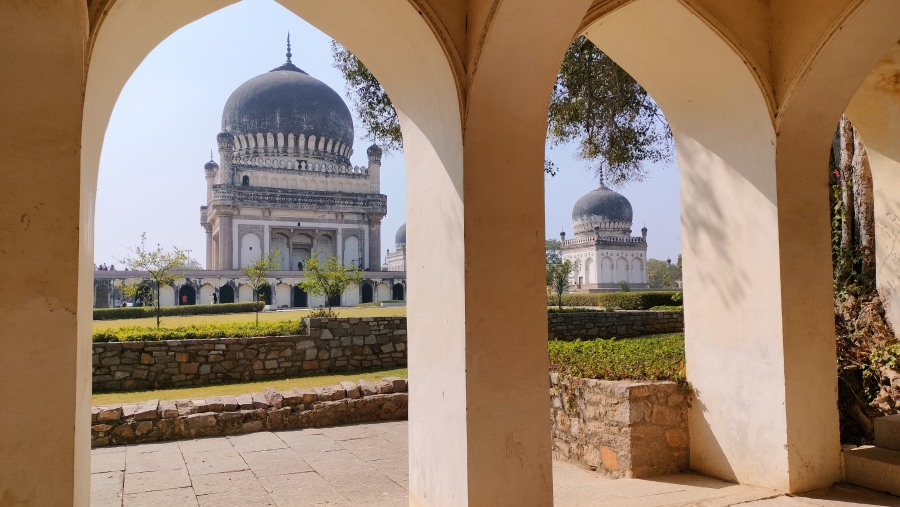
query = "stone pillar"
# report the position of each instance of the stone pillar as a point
(226, 241)
(265, 242)
(209, 247)
(339, 245)
(374, 245)
(47, 235)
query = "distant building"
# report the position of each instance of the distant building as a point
(286, 183)
(603, 251)
(396, 260)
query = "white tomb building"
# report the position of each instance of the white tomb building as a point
(603, 252)
(285, 182)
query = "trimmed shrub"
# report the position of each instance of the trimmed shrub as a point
(622, 300)
(200, 331)
(667, 309)
(139, 312)
(658, 357)
(553, 309)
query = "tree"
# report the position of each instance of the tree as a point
(373, 107)
(553, 248)
(595, 103)
(258, 272)
(615, 122)
(329, 280)
(558, 273)
(158, 263)
(663, 274)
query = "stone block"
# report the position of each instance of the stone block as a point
(258, 401)
(873, 468)
(887, 432)
(201, 421)
(146, 410)
(367, 388)
(351, 390)
(111, 414)
(274, 398)
(398, 385)
(245, 401)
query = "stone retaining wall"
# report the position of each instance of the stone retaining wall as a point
(622, 324)
(346, 403)
(331, 345)
(620, 428)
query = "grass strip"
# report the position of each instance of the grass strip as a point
(243, 387)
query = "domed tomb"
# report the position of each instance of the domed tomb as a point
(287, 100)
(603, 209)
(400, 237)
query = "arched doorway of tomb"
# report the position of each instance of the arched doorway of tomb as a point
(352, 253)
(335, 301)
(367, 295)
(606, 270)
(299, 298)
(206, 294)
(245, 181)
(265, 294)
(301, 248)
(589, 270)
(251, 249)
(397, 292)
(226, 294)
(622, 270)
(143, 296)
(187, 295)
(279, 244)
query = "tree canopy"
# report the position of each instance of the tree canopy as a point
(158, 263)
(596, 104)
(257, 273)
(329, 279)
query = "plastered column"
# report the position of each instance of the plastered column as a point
(757, 285)
(44, 315)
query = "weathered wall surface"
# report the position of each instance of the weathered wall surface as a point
(331, 345)
(154, 420)
(587, 325)
(620, 428)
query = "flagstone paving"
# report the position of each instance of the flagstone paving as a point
(366, 465)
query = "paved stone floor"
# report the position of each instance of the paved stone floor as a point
(366, 465)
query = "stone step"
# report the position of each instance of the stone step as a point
(873, 467)
(887, 432)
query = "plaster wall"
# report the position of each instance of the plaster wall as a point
(725, 143)
(875, 112)
(44, 223)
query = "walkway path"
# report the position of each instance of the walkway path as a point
(366, 465)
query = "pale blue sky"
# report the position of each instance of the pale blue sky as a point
(167, 117)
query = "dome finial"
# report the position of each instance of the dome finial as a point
(210, 154)
(289, 47)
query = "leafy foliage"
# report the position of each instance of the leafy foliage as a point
(329, 280)
(595, 103)
(662, 274)
(158, 263)
(558, 271)
(199, 331)
(616, 123)
(139, 312)
(622, 300)
(372, 105)
(658, 357)
(258, 272)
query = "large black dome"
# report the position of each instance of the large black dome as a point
(601, 205)
(288, 100)
(400, 237)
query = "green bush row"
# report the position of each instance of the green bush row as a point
(139, 312)
(667, 308)
(659, 357)
(199, 331)
(621, 300)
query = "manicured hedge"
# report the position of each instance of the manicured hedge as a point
(666, 308)
(659, 357)
(199, 331)
(139, 312)
(555, 309)
(621, 300)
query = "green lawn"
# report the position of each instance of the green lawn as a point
(243, 388)
(391, 311)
